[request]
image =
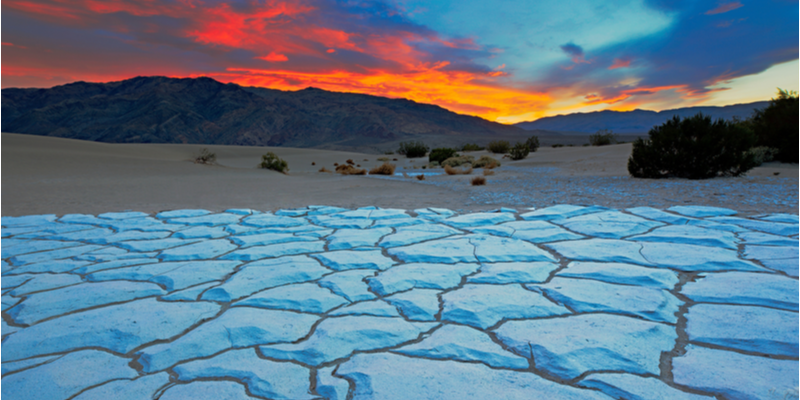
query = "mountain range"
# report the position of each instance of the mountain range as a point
(636, 121)
(205, 111)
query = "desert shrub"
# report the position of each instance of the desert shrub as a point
(455, 171)
(313, 163)
(557, 145)
(384, 159)
(323, 169)
(434, 164)
(603, 137)
(584, 145)
(413, 149)
(478, 181)
(693, 148)
(394, 159)
(487, 172)
(762, 154)
(347, 169)
(273, 162)
(519, 151)
(336, 164)
(533, 143)
(486, 162)
(205, 157)
(458, 161)
(420, 177)
(385, 169)
(499, 146)
(441, 154)
(777, 126)
(471, 147)
(350, 161)
(388, 152)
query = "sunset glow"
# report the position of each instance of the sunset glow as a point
(504, 63)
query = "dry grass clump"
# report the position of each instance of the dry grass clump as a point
(486, 162)
(420, 177)
(347, 169)
(323, 169)
(487, 172)
(313, 163)
(350, 161)
(384, 159)
(455, 171)
(336, 164)
(458, 161)
(385, 169)
(478, 181)
(205, 157)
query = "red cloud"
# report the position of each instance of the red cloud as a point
(620, 63)
(274, 57)
(725, 7)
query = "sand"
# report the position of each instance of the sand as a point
(52, 175)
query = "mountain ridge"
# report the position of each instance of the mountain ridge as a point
(635, 121)
(205, 111)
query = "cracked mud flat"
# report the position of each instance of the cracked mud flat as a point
(564, 302)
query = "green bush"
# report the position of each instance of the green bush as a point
(762, 154)
(777, 126)
(603, 137)
(441, 154)
(519, 151)
(486, 162)
(499, 146)
(458, 161)
(205, 157)
(413, 149)
(557, 145)
(271, 161)
(693, 148)
(471, 147)
(533, 143)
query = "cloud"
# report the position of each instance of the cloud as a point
(620, 63)
(724, 7)
(274, 57)
(574, 51)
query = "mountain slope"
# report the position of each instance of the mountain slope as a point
(204, 111)
(636, 121)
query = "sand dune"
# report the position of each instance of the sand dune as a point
(52, 175)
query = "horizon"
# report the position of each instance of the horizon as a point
(504, 62)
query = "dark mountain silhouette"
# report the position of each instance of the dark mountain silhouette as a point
(636, 121)
(204, 111)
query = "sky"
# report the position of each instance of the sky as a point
(506, 61)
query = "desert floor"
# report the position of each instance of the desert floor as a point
(51, 175)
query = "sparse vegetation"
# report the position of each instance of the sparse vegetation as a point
(455, 171)
(486, 162)
(533, 143)
(384, 159)
(433, 164)
(499, 146)
(519, 151)
(323, 169)
(693, 148)
(388, 152)
(441, 154)
(603, 137)
(413, 149)
(420, 177)
(487, 172)
(313, 163)
(557, 145)
(347, 169)
(457, 161)
(385, 169)
(777, 126)
(205, 157)
(350, 161)
(471, 147)
(478, 181)
(273, 162)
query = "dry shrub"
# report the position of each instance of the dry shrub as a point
(347, 169)
(394, 159)
(385, 169)
(358, 165)
(384, 159)
(478, 180)
(323, 169)
(336, 164)
(313, 163)
(350, 161)
(455, 171)
(366, 159)
(487, 172)
(458, 161)
(486, 162)
(420, 177)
